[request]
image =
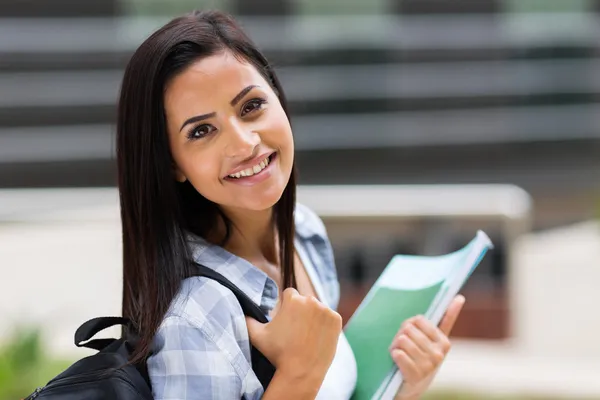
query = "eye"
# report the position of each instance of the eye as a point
(200, 131)
(253, 105)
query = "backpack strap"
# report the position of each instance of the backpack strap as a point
(248, 306)
(90, 328)
(261, 366)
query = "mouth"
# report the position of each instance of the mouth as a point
(253, 171)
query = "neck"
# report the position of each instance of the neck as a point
(252, 235)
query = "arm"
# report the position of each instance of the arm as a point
(304, 388)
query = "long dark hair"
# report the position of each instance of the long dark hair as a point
(156, 210)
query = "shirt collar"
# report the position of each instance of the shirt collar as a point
(308, 224)
(257, 285)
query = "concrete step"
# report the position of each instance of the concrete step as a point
(491, 369)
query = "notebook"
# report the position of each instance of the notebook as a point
(409, 285)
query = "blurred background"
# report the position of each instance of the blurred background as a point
(416, 123)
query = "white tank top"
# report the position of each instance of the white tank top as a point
(340, 380)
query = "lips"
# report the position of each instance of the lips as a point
(252, 167)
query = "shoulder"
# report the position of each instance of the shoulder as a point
(308, 223)
(209, 307)
(202, 343)
(214, 311)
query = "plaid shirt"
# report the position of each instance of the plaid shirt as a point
(201, 349)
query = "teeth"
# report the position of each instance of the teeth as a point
(251, 171)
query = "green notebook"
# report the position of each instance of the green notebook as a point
(409, 286)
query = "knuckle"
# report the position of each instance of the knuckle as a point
(314, 301)
(446, 345)
(334, 317)
(403, 341)
(337, 319)
(394, 344)
(397, 355)
(289, 293)
(420, 321)
(318, 305)
(437, 357)
(301, 301)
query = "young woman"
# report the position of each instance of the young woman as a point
(206, 173)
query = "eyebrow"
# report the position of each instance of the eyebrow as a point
(233, 102)
(241, 94)
(197, 118)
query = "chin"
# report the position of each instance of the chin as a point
(261, 196)
(263, 201)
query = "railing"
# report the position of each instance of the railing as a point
(364, 215)
(386, 97)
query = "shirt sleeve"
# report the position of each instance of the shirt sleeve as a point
(313, 230)
(186, 364)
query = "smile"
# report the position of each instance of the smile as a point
(254, 174)
(256, 169)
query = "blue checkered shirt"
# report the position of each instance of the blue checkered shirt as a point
(201, 349)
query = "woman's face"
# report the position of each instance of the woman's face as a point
(228, 133)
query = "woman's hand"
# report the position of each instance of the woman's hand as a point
(419, 349)
(301, 340)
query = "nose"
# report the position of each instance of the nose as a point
(242, 142)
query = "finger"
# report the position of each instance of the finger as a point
(428, 329)
(406, 365)
(289, 293)
(408, 322)
(406, 343)
(314, 299)
(255, 329)
(434, 351)
(451, 314)
(286, 298)
(417, 337)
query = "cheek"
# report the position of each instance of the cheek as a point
(199, 167)
(204, 177)
(283, 130)
(288, 145)
(205, 171)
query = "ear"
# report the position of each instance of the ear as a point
(179, 176)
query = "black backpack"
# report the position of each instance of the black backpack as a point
(108, 374)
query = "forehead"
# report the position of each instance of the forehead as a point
(218, 75)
